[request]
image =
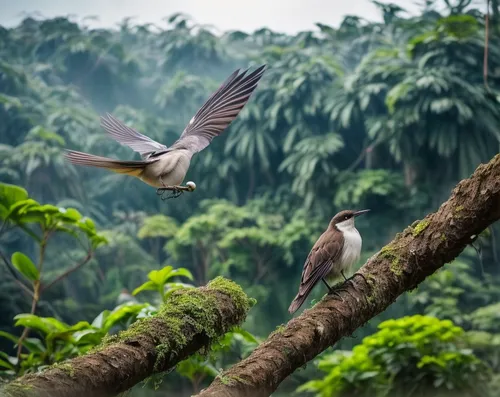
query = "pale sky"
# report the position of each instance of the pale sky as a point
(289, 16)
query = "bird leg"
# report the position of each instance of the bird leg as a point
(354, 275)
(332, 290)
(161, 191)
(350, 279)
(176, 190)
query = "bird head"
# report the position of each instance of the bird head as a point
(345, 219)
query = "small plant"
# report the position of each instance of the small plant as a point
(41, 222)
(159, 281)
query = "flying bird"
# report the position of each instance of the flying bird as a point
(165, 167)
(337, 249)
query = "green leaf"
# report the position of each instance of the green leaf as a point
(90, 223)
(45, 325)
(9, 195)
(67, 334)
(247, 336)
(101, 318)
(9, 336)
(181, 272)
(34, 345)
(160, 277)
(69, 214)
(25, 266)
(6, 364)
(89, 337)
(49, 209)
(123, 312)
(147, 286)
(98, 240)
(33, 217)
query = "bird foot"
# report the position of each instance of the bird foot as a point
(333, 290)
(176, 191)
(350, 279)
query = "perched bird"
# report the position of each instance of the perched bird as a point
(337, 249)
(165, 167)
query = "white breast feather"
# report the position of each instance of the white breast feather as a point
(352, 244)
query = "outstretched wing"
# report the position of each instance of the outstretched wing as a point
(219, 110)
(319, 263)
(128, 136)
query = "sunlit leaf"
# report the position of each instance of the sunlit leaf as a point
(147, 286)
(25, 266)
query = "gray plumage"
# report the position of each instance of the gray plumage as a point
(163, 166)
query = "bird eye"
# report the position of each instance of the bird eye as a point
(346, 217)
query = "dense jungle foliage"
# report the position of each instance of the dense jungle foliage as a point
(387, 116)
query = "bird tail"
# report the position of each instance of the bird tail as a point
(133, 168)
(297, 303)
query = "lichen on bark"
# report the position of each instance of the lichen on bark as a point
(190, 320)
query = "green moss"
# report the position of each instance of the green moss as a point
(458, 209)
(370, 279)
(386, 249)
(16, 388)
(66, 368)
(443, 237)
(186, 312)
(231, 380)
(389, 252)
(415, 223)
(279, 329)
(420, 227)
(396, 267)
(228, 287)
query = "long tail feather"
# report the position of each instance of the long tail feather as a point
(297, 303)
(133, 168)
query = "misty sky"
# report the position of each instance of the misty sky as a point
(289, 16)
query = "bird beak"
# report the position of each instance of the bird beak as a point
(358, 213)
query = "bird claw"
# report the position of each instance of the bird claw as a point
(350, 279)
(333, 290)
(176, 191)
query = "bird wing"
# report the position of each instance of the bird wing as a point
(219, 110)
(128, 136)
(321, 259)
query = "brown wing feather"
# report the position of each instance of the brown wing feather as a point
(219, 110)
(319, 263)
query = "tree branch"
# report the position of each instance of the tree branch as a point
(68, 272)
(190, 320)
(414, 254)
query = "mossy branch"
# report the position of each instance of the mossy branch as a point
(414, 254)
(190, 320)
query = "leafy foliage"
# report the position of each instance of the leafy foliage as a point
(417, 355)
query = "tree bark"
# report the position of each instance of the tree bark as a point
(190, 320)
(414, 254)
